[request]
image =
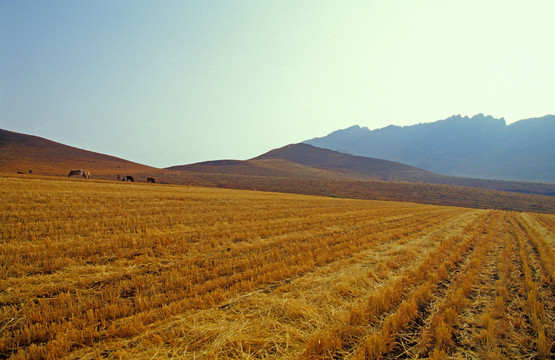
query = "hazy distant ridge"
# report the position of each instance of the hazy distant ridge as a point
(478, 147)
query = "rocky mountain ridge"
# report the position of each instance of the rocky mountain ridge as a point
(477, 147)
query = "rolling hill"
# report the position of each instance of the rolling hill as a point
(478, 147)
(309, 162)
(21, 152)
(306, 161)
(354, 166)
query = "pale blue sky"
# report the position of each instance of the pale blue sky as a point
(174, 82)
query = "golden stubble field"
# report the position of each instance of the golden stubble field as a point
(98, 269)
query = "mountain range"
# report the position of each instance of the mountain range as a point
(478, 147)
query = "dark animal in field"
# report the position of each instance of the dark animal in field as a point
(30, 171)
(150, 180)
(128, 178)
(80, 173)
(20, 172)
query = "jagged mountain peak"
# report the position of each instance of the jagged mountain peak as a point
(480, 146)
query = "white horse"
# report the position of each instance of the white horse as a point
(80, 173)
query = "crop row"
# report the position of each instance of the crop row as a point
(536, 310)
(456, 290)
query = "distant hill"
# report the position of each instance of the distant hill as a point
(306, 161)
(355, 166)
(478, 147)
(304, 169)
(303, 161)
(21, 152)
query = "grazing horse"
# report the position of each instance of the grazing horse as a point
(150, 180)
(128, 178)
(80, 173)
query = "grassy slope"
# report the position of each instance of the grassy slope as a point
(22, 152)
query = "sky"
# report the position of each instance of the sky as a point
(169, 82)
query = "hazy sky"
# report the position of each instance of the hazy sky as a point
(174, 82)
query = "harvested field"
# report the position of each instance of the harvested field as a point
(93, 269)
